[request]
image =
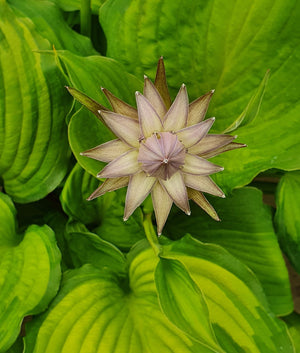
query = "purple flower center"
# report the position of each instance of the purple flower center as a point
(161, 155)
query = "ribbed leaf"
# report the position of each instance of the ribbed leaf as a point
(246, 230)
(97, 311)
(29, 272)
(227, 47)
(176, 291)
(236, 303)
(105, 214)
(33, 137)
(88, 75)
(103, 310)
(287, 216)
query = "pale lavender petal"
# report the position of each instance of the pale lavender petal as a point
(153, 96)
(126, 164)
(149, 120)
(162, 204)
(107, 151)
(127, 129)
(198, 108)
(109, 185)
(176, 189)
(176, 117)
(120, 106)
(210, 143)
(161, 155)
(203, 183)
(199, 166)
(161, 82)
(231, 146)
(201, 201)
(191, 135)
(139, 188)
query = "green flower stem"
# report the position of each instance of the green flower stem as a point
(151, 234)
(85, 17)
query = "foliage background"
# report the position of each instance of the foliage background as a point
(90, 281)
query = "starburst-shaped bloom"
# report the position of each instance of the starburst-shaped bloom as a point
(162, 149)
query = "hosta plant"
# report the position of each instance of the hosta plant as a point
(74, 276)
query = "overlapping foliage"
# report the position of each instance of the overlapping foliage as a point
(89, 281)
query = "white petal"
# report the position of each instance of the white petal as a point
(149, 120)
(176, 189)
(203, 183)
(139, 188)
(127, 129)
(199, 166)
(126, 164)
(201, 201)
(162, 204)
(119, 106)
(189, 136)
(210, 143)
(107, 151)
(176, 117)
(109, 185)
(153, 96)
(198, 108)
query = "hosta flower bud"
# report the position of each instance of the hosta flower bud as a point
(162, 149)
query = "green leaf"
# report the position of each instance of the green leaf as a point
(86, 247)
(103, 215)
(252, 109)
(88, 74)
(246, 231)
(287, 216)
(293, 324)
(95, 311)
(103, 310)
(237, 306)
(176, 291)
(34, 150)
(29, 272)
(227, 47)
(74, 5)
(17, 347)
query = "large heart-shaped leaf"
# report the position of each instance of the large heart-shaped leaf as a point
(103, 215)
(99, 309)
(227, 47)
(246, 230)
(29, 272)
(34, 149)
(88, 74)
(287, 216)
(237, 305)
